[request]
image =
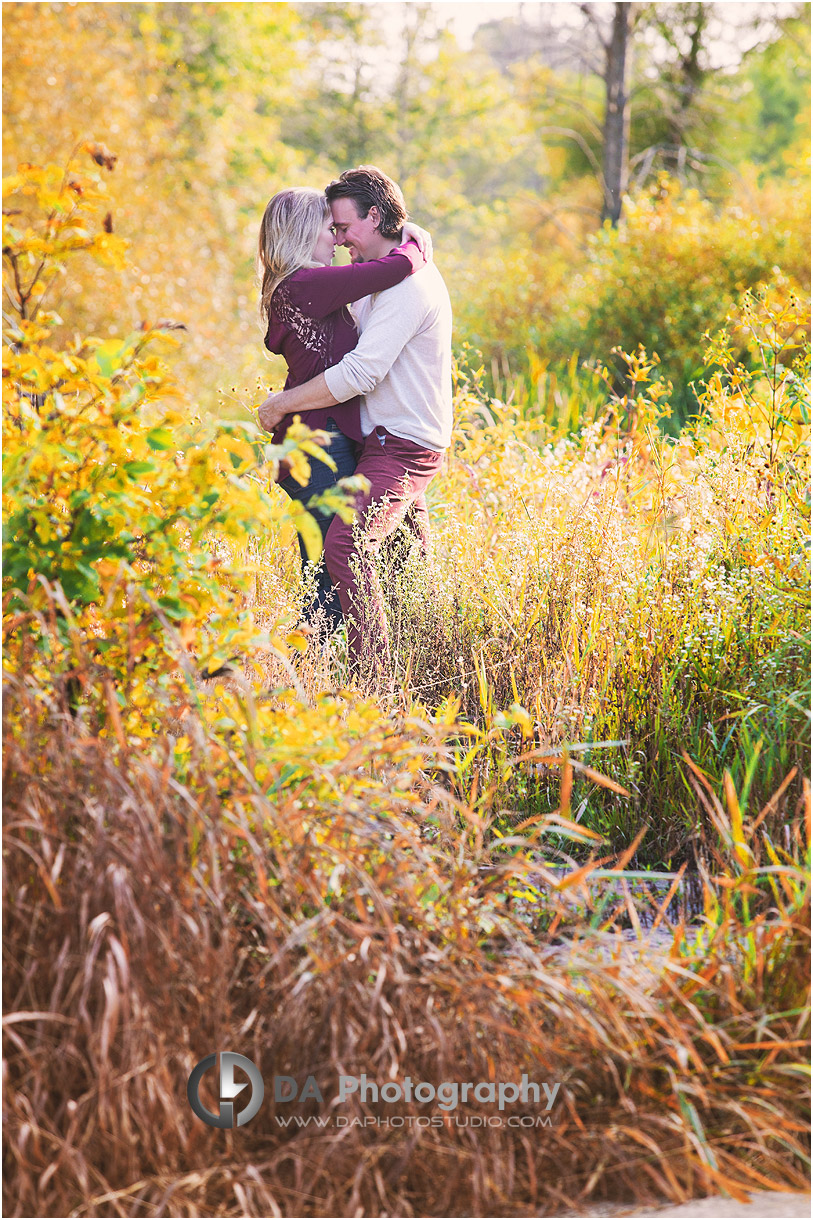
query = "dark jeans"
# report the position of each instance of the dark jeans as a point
(324, 606)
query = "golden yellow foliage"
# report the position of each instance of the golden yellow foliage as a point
(122, 511)
(175, 180)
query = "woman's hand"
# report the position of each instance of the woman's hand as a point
(423, 240)
(272, 411)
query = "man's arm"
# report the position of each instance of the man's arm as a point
(394, 317)
(393, 321)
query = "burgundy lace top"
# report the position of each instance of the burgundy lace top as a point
(310, 325)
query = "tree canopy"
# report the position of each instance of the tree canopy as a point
(208, 109)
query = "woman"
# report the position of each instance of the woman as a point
(304, 301)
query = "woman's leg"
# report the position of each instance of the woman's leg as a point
(323, 608)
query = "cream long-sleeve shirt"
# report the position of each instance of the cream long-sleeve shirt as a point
(402, 364)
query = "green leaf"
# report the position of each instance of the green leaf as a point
(108, 356)
(135, 470)
(79, 497)
(80, 585)
(160, 438)
(174, 608)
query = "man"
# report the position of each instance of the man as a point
(402, 367)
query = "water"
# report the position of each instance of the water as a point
(605, 888)
(647, 891)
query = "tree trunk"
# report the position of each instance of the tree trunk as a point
(617, 114)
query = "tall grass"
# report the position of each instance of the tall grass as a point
(603, 668)
(626, 587)
(323, 905)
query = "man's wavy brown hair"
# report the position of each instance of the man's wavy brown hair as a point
(368, 187)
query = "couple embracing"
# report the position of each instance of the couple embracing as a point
(377, 379)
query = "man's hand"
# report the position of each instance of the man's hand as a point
(308, 397)
(272, 410)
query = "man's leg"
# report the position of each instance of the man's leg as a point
(399, 473)
(416, 522)
(413, 532)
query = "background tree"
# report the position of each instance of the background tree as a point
(500, 149)
(615, 44)
(182, 96)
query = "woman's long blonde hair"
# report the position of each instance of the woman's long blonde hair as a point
(288, 233)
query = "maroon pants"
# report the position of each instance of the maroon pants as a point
(398, 472)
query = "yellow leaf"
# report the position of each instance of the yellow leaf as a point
(307, 527)
(741, 849)
(295, 639)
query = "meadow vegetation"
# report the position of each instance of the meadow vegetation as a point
(606, 666)
(212, 840)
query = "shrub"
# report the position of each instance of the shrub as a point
(676, 265)
(132, 512)
(672, 268)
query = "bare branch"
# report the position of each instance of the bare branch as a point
(573, 53)
(648, 157)
(22, 298)
(572, 102)
(587, 9)
(14, 303)
(550, 215)
(680, 153)
(584, 146)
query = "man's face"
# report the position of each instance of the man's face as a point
(359, 234)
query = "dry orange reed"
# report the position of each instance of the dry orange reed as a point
(150, 922)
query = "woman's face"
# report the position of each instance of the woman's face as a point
(325, 243)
